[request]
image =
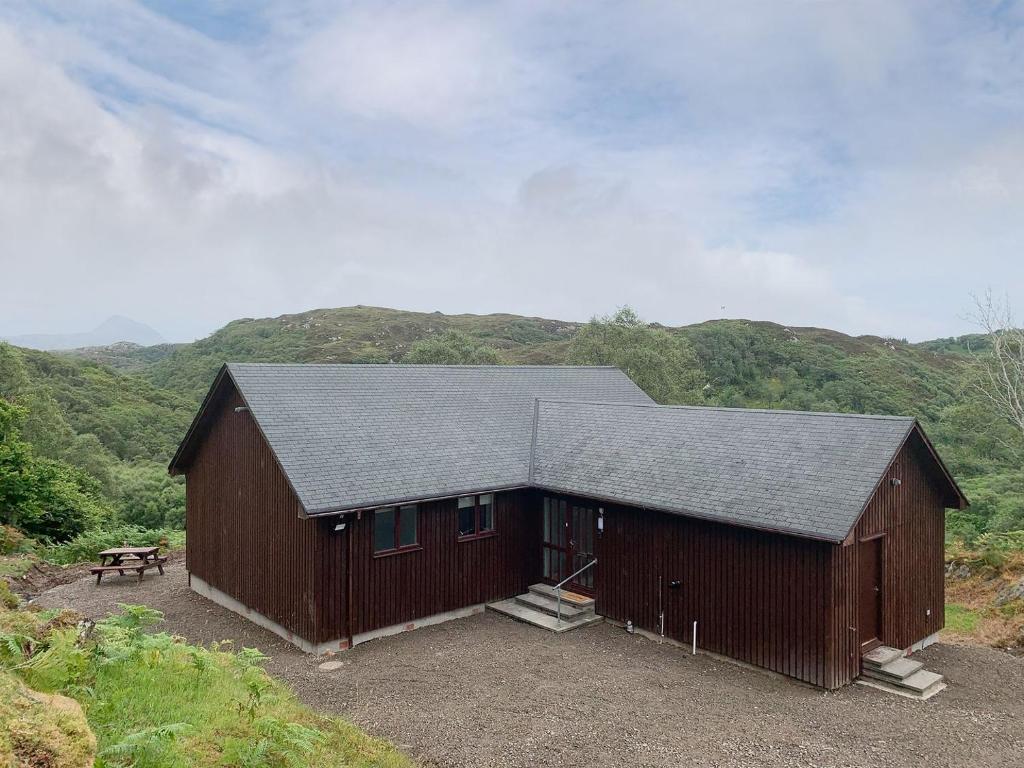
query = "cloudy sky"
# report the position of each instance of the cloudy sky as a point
(843, 163)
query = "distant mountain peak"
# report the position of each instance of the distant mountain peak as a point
(114, 329)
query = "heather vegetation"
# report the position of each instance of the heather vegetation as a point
(84, 446)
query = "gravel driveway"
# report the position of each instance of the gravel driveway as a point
(489, 691)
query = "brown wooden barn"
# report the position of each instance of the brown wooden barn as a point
(334, 504)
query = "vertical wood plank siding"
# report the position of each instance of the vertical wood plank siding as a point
(779, 602)
(912, 517)
(245, 536)
(755, 596)
(247, 539)
(786, 604)
(444, 574)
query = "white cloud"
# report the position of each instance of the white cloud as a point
(854, 165)
(423, 64)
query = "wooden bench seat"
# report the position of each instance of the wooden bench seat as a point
(137, 565)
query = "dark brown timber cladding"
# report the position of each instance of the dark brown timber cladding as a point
(444, 574)
(911, 516)
(758, 597)
(247, 539)
(244, 533)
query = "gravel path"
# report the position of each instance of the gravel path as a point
(489, 691)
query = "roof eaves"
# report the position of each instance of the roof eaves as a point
(961, 496)
(914, 427)
(684, 512)
(172, 467)
(226, 371)
(399, 500)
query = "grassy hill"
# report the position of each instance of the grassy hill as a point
(351, 335)
(137, 401)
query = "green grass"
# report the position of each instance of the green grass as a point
(154, 701)
(222, 710)
(960, 618)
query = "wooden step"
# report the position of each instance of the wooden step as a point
(573, 598)
(516, 610)
(881, 656)
(894, 671)
(549, 605)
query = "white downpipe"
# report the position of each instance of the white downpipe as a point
(695, 638)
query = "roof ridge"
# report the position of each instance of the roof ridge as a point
(782, 411)
(387, 366)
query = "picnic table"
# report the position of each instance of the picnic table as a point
(123, 559)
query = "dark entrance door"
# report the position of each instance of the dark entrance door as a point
(568, 542)
(871, 584)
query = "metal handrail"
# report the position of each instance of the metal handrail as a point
(558, 588)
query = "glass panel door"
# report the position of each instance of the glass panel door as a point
(582, 547)
(568, 543)
(556, 540)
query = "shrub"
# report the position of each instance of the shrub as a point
(452, 348)
(995, 548)
(7, 598)
(11, 539)
(87, 546)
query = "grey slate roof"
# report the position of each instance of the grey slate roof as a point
(361, 436)
(808, 474)
(351, 436)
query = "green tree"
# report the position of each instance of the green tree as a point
(66, 501)
(452, 348)
(42, 497)
(17, 480)
(147, 496)
(662, 364)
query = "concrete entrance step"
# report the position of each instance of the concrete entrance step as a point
(921, 681)
(888, 669)
(900, 690)
(573, 598)
(517, 610)
(881, 656)
(549, 605)
(894, 671)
